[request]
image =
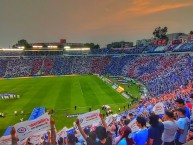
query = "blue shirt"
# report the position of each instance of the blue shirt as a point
(155, 133)
(183, 124)
(140, 138)
(122, 142)
(187, 112)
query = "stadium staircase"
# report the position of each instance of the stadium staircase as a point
(160, 49)
(177, 47)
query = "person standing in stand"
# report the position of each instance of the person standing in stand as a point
(140, 138)
(180, 103)
(170, 129)
(155, 131)
(183, 127)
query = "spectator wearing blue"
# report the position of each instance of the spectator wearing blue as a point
(181, 104)
(140, 138)
(183, 127)
(81, 138)
(155, 131)
(170, 128)
(191, 128)
(191, 97)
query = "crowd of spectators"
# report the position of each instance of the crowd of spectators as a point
(168, 78)
(161, 73)
(174, 127)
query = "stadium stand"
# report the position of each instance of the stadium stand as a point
(149, 49)
(185, 47)
(168, 77)
(160, 49)
(3, 64)
(143, 110)
(166, 69)
(177, 47)
(36, 65)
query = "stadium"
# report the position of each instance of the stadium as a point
(94, 72)
(75, 82)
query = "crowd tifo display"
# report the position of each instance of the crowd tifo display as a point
(161, 73)
(163, 117)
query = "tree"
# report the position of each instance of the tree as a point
(22, 42)
(92, 45)
(96, 46)
(160, 33)
(191, 32)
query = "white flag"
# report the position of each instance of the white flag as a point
(109, 120)
(133, 125)
(158, 108)
(5, 140)
(27, 128)
(89, 118)
(62, 133)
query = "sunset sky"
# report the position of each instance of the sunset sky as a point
(98, 21)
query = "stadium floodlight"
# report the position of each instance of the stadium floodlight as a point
(37, 46)
(21, 47)
(66, 47)
(77, 49)
(52, 46)
(12, 49)
(85, 49)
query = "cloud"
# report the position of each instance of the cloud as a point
(125, 14)
(145, 7)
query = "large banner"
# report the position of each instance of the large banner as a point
(89, 118)
(109, 120)
(133, 126)
(158, 108)
(27, 128)
(5, 140)
(37, 138)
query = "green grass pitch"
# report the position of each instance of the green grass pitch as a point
(59, 93)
